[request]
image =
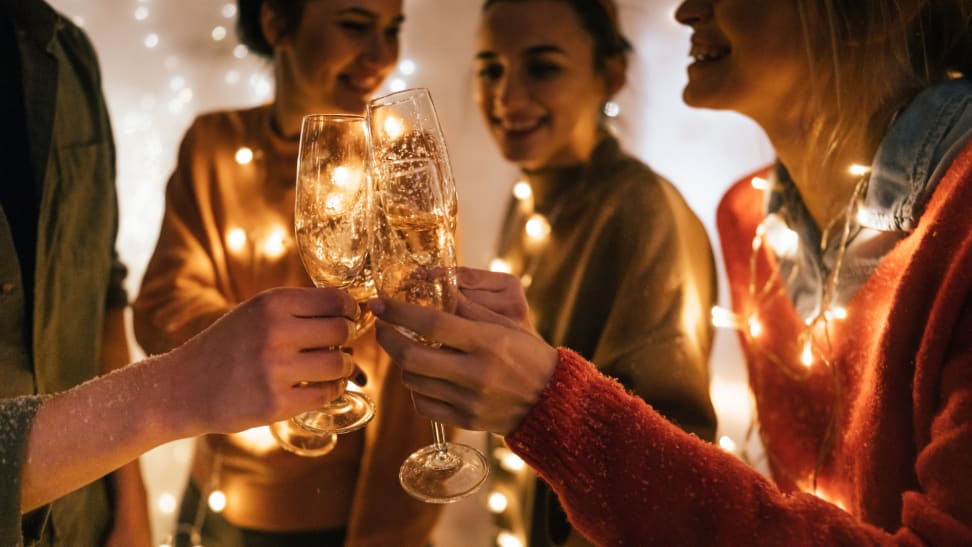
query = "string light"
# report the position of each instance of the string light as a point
(612, 109)
(407, 67)
(497, 502)
(726, 443)
(537, 228)
(141, 13)
(397, 84)
(760, 183)
(218, 33)
(244, 155)
(522, 190)
(500, 265)
(724, 319)
(838, 312)
(167, 503)
(508, 460)
(217, 501)
(859, 170)
(755, 326)
(806, 356)
(507, 539)
(151, 40)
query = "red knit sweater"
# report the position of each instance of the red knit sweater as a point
(900, 389)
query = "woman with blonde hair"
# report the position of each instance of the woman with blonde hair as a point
(850, 277)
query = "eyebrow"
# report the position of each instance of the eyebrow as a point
(368, 13)
(532, 50)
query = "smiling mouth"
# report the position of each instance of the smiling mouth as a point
(363, 86)
(701, 53)
(518, 129)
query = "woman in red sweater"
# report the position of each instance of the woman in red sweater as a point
(850, 276)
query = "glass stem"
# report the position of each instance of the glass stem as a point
(438, 431)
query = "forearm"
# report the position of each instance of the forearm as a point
(82, 434)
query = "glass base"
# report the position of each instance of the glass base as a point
(443, 477)
(297, 440)
(345, 414)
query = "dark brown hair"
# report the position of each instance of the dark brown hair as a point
(248, 27)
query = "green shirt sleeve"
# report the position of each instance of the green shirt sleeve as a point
(16, 417)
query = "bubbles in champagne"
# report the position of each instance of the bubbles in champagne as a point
(332, 248)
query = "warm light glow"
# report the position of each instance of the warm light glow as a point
(397, 84)
(784, 241)
(244, 155)
(257, 439)
(500, 265)
(497, 502)
(537, 227)
(236, 240)
(229, 10)
(829, 499)
(760, 183)
(275, 244)
(141, 13)
(726, 443)
(526, 280)
(838, 312)
(407, 67)
(394, 127)
(346, 178)
(509, 461)
(757, 243)
(522, 190)
(806, 357)
(218, 33)
(217, 501)
(240, 51)
(755, 327)
(612, 109)
(507, 539)
(723, 318)
(859, 170)
(151, 40)
(167, 503)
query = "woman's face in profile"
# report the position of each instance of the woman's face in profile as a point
(342, 51)
(747, 56)
(537, 87)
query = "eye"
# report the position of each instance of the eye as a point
(355, 27)
(542, 70)
(490, 72)
(392, 32)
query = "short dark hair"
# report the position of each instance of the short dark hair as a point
(248, 28)
(599, 19)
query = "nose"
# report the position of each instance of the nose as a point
(382, 52)
(693, 12)
(511, 92)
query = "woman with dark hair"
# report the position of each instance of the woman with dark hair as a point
(850, 276)
(227, 234)
(614, 263)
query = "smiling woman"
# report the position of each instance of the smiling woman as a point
(226, 235)
(615, 264)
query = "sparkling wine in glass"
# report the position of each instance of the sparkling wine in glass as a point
(332, 219)
(415, 261)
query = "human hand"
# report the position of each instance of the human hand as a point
(488, 374)
(272, 357)
(498, 292)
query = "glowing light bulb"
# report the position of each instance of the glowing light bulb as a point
(760, 183)
(407, 67)
(346, 178)
(236, 240)
(612, 109)
(507, 539)
(838, 312)
(806, 357)
(240, 51)
(151, 40)
(397, 84)
(859, 170)
(510, 461)
(394, 127)
(218, 33)
(726, 443)
(244, 155)
(723, 318)
(217, 501)
(256, 439)
(232, 77)
(275, 244)
(229, 10)
(526, 280)
(497, 502)
(522, 190)
(141, 13)
(755, 327)
(167, 503)
(537, 227)
(500, 265)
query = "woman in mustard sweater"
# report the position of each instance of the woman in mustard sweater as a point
(227, 234)
(851, 276)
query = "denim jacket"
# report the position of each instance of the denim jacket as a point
(914, 155)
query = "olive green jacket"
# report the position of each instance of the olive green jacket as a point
(78, 274)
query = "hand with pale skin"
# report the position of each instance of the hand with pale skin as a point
(272, 357)
(491, 368)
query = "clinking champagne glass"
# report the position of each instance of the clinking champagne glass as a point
(415, 261)
(332, 221)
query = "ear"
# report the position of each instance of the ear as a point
(272, 24)
(615, 74)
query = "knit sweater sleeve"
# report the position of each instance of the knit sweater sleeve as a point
(626, 476)
(16, 417)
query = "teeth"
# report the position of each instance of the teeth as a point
(702, 52)
(518, 125)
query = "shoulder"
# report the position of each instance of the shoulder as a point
(219, 123)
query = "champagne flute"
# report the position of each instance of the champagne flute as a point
(332, 221)
(415, 261)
